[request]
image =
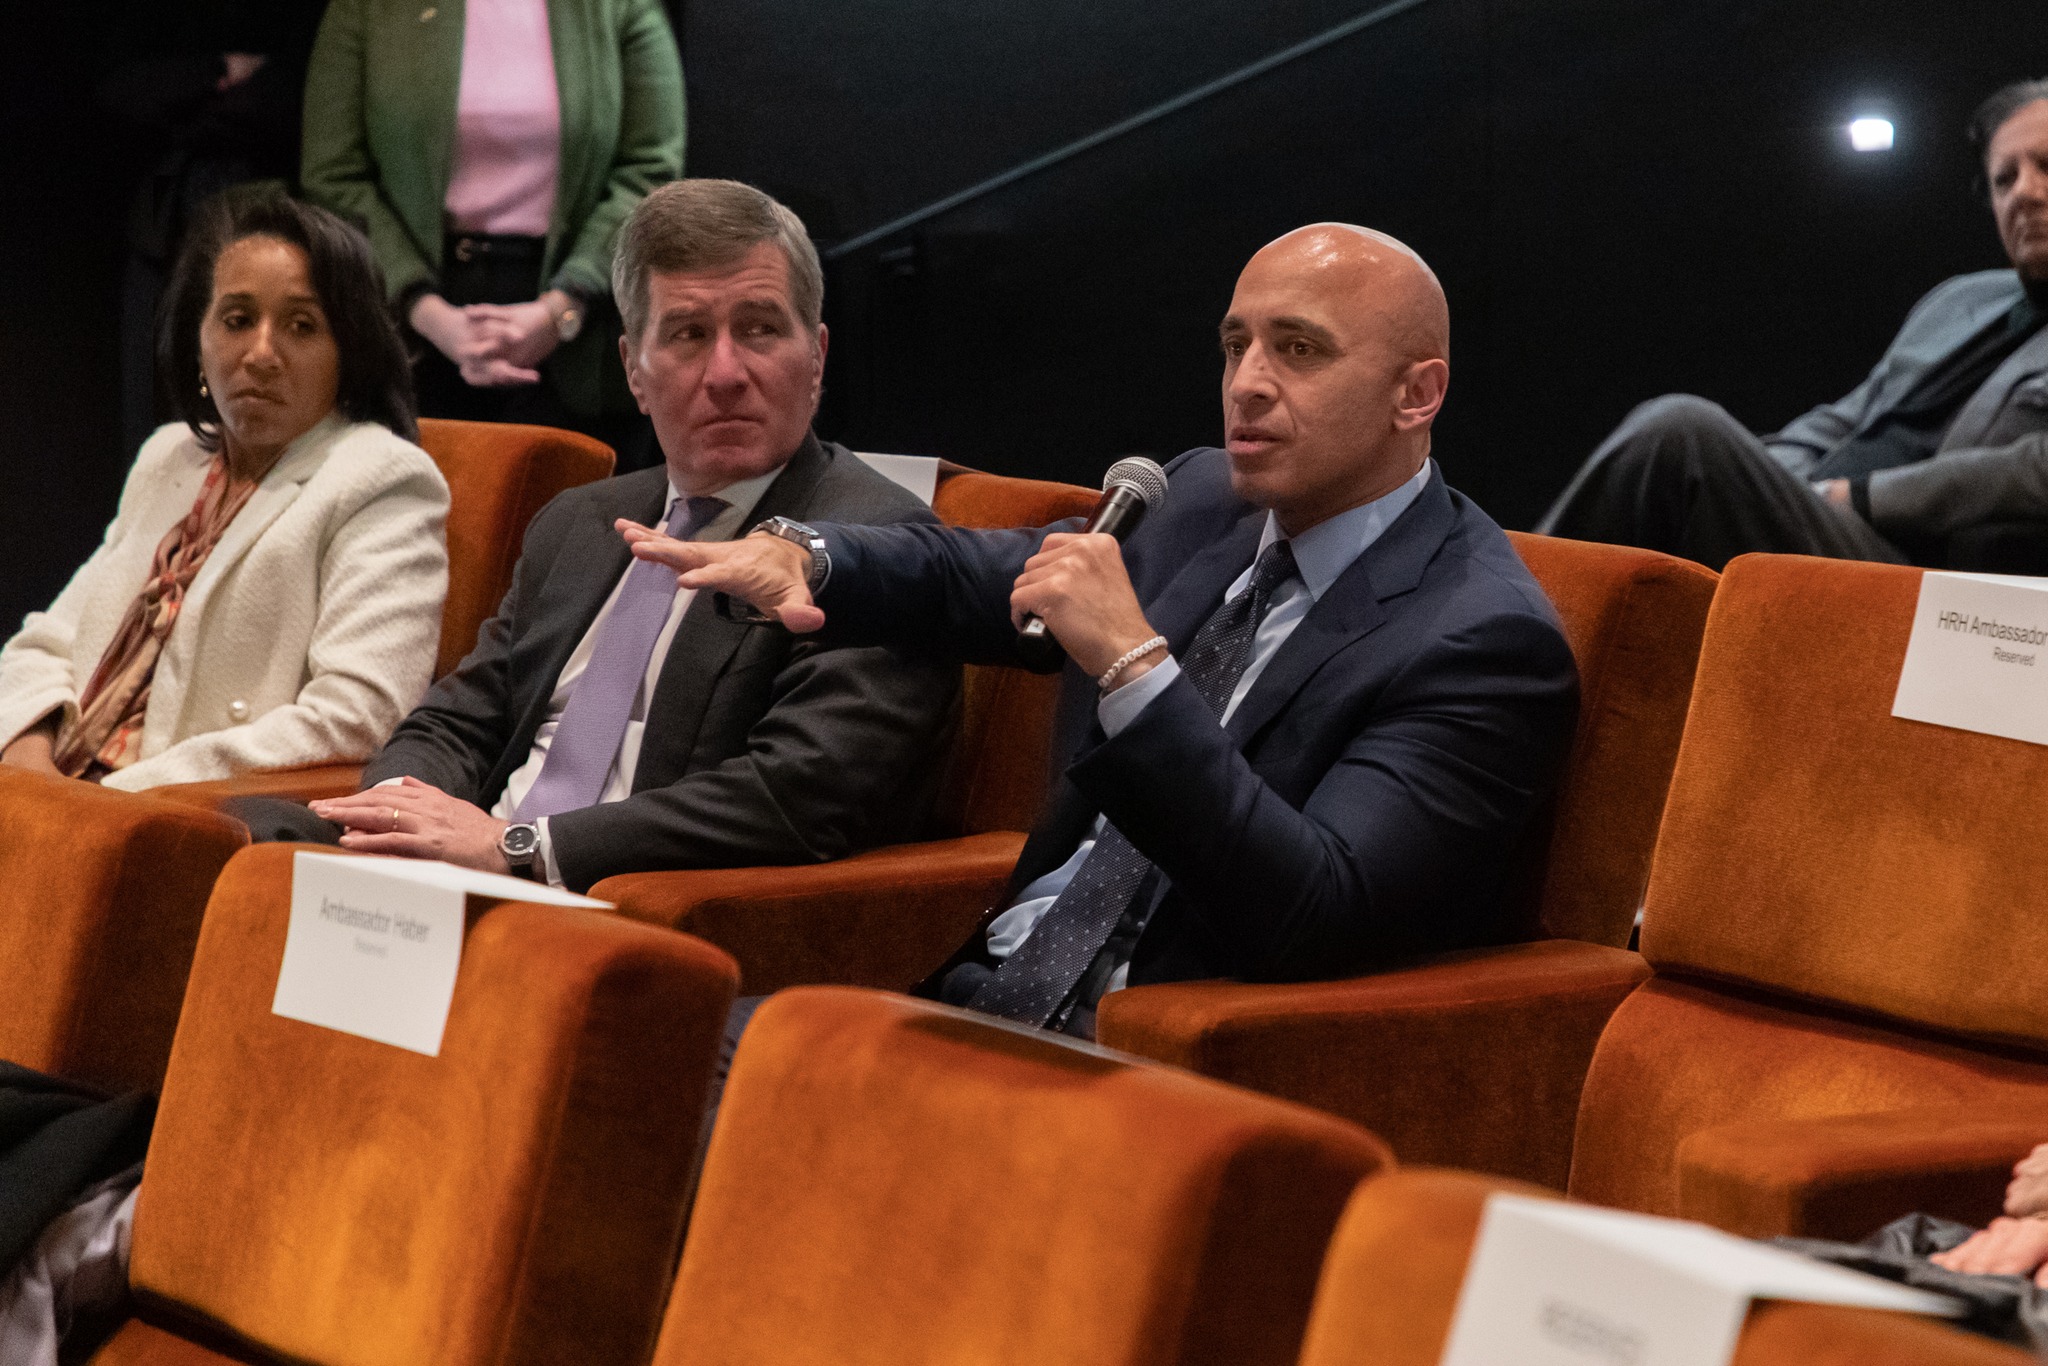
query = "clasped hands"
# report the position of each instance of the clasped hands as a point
(495, 346)
(413, 819)
(2016, 1245)
(1076, 584)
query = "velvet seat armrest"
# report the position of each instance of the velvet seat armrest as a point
(290, 784)
(1473, 1059)
(1845, 1176)
(888, 918)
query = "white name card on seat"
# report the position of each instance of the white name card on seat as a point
(1555, 1284)
(1978, 656)
(374, 943)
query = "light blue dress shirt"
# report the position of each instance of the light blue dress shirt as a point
(1321, 555)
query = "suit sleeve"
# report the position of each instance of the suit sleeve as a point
(841, 752)
(1963, 488)
(1405, 836)
(928, 588)
(336, 167)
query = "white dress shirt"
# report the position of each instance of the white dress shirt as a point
(1321, 555)
(740, 499)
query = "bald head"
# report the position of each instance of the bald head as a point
(1336, 356)
(1379, 279)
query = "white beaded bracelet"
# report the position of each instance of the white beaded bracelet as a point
(1128, 658)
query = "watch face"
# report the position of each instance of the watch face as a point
(519, 841)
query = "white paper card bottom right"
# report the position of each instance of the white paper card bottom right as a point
(1553, 1284)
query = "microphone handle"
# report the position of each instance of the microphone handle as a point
(1118, 513)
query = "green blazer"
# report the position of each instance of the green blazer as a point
(380, 129)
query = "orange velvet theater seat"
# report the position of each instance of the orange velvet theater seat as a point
(101, 893)
(1475, 1059)
(1390, 1288)
(1847, 1019)
(312, 1196)
(892, 916)
(499, 475)
(893, 1181)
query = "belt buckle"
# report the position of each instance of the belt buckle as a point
(465, 249)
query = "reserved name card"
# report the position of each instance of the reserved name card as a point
(374, 944)
(1978, 656)
(1555, 1284)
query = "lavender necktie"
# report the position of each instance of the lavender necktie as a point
(586, 743)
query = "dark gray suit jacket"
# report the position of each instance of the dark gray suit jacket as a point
(760, 747)
(1993, 460)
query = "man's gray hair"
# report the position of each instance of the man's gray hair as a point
(690, 225)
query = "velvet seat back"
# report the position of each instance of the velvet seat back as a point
(499, 475)
(314, 1196)
(1397, 1262)
(1841, 918)
(1001, 767)
(101, 894)
(1633, 619)
(892, 1181)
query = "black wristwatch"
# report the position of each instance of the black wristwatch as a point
(520, 844)
(796, 533)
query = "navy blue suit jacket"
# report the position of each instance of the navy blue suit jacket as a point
(1367, 800)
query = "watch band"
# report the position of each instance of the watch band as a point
(796, 533)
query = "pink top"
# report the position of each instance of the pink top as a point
(508, 121)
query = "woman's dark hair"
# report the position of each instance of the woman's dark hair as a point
(2002, 105)
(375, 375)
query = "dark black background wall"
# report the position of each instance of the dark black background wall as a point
(1621, 197)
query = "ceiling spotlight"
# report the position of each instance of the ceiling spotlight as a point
(1870, 135)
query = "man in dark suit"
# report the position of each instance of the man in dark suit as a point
(1949, 433)
(608, 723)
(1311, 703)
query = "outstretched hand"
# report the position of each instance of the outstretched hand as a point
(771, 574)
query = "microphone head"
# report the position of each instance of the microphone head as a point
(1143, 477)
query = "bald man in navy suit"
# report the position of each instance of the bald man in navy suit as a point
(1311, 704)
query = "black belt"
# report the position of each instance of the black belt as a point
(468, 246)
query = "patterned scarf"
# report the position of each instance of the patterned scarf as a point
(106, 734)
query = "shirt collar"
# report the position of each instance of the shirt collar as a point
(1326, 550)
(739, 498)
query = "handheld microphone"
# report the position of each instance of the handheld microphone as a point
(1133, 487)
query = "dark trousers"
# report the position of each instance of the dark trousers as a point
(273, 820)
(1682, 476)
(506, 270)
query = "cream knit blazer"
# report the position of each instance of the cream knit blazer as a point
(308, 634)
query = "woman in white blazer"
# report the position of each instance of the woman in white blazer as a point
(269, 592)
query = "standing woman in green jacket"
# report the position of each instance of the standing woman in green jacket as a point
(492, 148)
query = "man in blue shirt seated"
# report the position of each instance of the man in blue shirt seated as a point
(1311, 704)
(1948, 435)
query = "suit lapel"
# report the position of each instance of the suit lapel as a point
(1349, 610)
(705, 642)
(1192, 596)
(1983, 407)
(278, 490)
(585, 571)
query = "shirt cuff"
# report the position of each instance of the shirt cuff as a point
(1119, 707)
(544, 855)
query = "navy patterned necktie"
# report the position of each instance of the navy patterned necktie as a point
(1040, 974)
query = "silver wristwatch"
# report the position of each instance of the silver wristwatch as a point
(796, 533)
(520, 844)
